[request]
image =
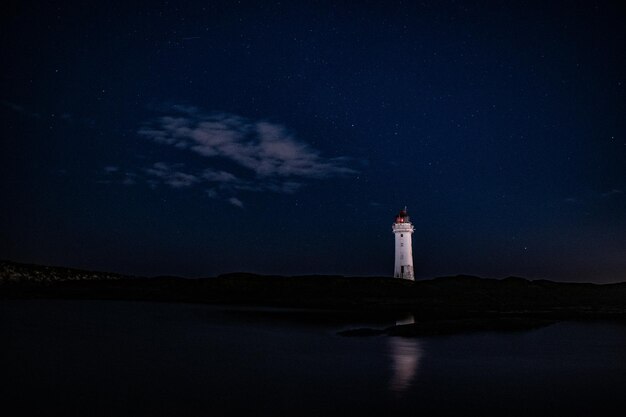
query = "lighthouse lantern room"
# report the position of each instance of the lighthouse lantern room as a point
(403, 229)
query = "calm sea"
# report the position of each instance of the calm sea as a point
(109, 358)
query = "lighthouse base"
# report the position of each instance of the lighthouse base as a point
(405, 272)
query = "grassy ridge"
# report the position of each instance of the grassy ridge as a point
(446, 297)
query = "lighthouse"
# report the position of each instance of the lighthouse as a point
(403, 229)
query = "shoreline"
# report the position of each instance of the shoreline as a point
(447, 298)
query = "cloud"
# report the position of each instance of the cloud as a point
(613, 192)
(265, 155)
(19, 109)
(266, 149)
(130, 178)
(219, 176)
(595, 197)
(13, 106)
(170, 175)
(235, 202)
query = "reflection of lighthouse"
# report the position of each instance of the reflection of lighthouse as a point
(403, 229)
(405, 356)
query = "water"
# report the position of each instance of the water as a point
(109, 358)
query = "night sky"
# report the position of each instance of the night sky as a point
(283, 137)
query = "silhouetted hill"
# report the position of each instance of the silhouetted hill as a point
(445, 297)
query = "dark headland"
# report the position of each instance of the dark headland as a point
(440, 305)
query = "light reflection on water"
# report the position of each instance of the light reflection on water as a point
(405, 358)
(406, 355)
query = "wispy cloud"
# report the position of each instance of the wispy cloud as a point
(129, 178)
(19, 109)
(265, 148)
(172, 175)
(235, 202)
(13, 106)
(219, 176)
(265, 155)
(596, 196)
(612, 192)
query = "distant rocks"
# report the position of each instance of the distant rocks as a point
(443, 327)
(448, 327)
(361, 332)
(25, 273)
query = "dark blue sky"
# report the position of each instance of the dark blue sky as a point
(283, 137)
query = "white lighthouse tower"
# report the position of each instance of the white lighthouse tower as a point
(403, 229)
